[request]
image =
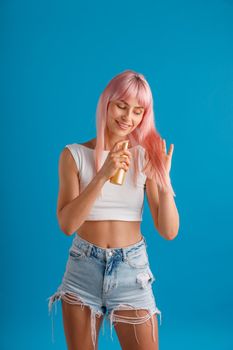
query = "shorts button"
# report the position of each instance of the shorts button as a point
(110, 253)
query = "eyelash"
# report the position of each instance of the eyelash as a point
(124, 108)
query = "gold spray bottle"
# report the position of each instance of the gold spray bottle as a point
(119, 177)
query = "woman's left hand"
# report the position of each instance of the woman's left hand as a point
(167, 157)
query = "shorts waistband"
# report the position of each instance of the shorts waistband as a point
(89, 247)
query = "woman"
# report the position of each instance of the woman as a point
(108, 271)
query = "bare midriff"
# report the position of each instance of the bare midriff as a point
(111, 233)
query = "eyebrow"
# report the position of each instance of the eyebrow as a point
(128, 104)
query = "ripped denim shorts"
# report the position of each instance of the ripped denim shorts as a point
(108, 279)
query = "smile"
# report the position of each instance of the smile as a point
(123, 126)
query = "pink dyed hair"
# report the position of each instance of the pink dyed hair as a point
(132, 84)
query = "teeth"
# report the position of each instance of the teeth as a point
(125, 126)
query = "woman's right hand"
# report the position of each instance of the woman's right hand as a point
(117, 158)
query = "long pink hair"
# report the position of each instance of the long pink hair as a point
(132, 84)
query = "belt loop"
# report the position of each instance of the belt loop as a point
(124, 256)
(144, 239)
(89, 248)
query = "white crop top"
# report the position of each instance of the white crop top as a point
(118, 202)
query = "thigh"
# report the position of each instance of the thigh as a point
(135, 335)
(77, 326)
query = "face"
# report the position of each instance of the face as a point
(123, 116)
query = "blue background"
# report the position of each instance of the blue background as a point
(56, 59)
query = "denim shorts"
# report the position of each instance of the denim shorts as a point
(108, 279)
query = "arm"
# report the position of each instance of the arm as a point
(163, 210)
(168, 216)
(73, 207)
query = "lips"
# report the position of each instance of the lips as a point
(122, 125)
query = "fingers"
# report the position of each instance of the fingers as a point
(164, 146)
(124, 160)
(124, 153)
(119, 145)
(171, 148)
(125, 165)
(121, 157)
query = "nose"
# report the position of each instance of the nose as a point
(126, 117)
(126, 121)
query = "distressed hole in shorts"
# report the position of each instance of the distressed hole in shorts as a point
(74, 299)
(145, 279)
(138, 316)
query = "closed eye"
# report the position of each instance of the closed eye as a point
(125, 107)
(120, 107)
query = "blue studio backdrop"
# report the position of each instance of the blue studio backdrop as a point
(56, 59)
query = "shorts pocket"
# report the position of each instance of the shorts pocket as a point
(138, 259)
(76, 253)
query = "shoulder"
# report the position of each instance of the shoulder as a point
(66, 158)
(70, 156)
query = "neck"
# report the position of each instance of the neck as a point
(111, 141)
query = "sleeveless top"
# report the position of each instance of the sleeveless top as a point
(117, 202)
